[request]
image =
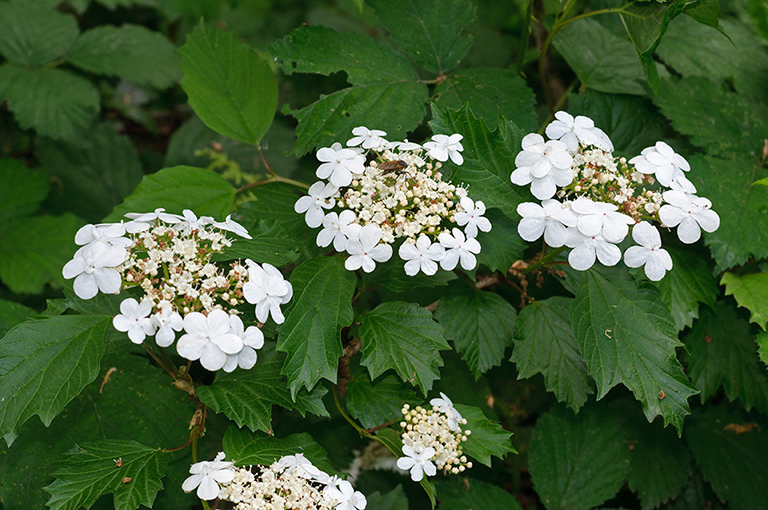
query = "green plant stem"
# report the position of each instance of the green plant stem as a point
(169, 362)
(344, 414)
(544, 259)
(159, 361)
(274, 178)
(558, 106)
(524, 36)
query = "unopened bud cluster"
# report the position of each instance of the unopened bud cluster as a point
(385, 192)
(432, 439)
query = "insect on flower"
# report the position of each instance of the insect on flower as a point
(397, 167)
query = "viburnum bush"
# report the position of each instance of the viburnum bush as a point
(403, 254)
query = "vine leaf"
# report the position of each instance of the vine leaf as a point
(473, 493)
(402, 336)
(91, 471)
(247, 396)
(545, 344)
(46, 363)
(751, 292)
(230, 87)
(375, 403)
(322, 293)
(487, 438)
(626, 335)
(32, 35)
(577, 461)
(480, 324)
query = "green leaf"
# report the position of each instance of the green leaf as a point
(11, 314)
(247, 396)
(230, 87)
(696, 495)
(577, 461)
(602, 61)
(321, 50)
(633, 123)
(659, 462)
(472, 493)
(694, 49)
(275, 202)
(270, 244)
(730, 448)
(743, 231)
(762, 346)
(178, 188)
(123, 408)
(90, 472)
(713, 118)
(392, 500)
(492, 94)
(373, 404)
(385, 92)
(503, 245)
(323, 290)
(487, 438)
(246, 448)
(751, 292)
(545, 344)
(402, 336)
(145, 57)
(23, 189)
(46, 363)
(94, 174)
(396, 108)
(722, 353)
(480, 324)
(391, 439)
(429, 30)
(34, 96)
(488, 157)
(626, 335)
(33, 35)
(689, 284)
(34, 250)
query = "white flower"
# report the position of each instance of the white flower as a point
(472, 217)
(689, 214)
(107, 233)
(207, 476)
(550, 218)
(158, 214)
(423, 256)
(544, 166)
(458, 248)
(601, 218)
(253, 339)
(443, 147)
(267, 289)
(445, 406)
(301, 466)
(418, 463)
(370, 139)
(365, 249)
(93, 269)
(340, 164)
(347, 497)
(661, 161)
(572, 131)
(405, 145)
(134, 319)
(208, 339)
(166, 321)
(336, 230)
(656, 259)
(319, 198)
(231, 225)
(190, 221)
(681, 183)
(586, 248)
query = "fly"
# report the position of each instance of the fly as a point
(397, 167)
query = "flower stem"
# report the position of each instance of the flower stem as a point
(274, 178)
(344, 414)
(159, 361)
(544, 260)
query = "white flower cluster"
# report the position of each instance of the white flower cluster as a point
(432, 439)
(600, 197)
(290, 482)
(169, 257)
(383, 191)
